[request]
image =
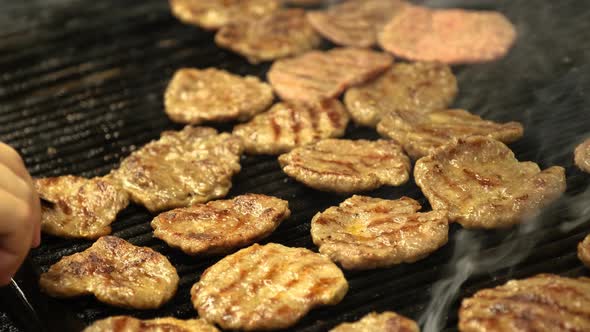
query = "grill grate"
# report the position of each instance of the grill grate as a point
(81, 87)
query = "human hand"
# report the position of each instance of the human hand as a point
(20, 213)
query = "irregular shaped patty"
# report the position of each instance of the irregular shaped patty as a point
(448, 35)
(195, 96)
(482, 185)
(582, 156)
(584, 251)
(347, 166)
(213, 14)
(367, 233)
(167, 324)
(419, 87)
(288, 125)
(543, 303)
(267, 287)
(76, 207)
(184, 167)
(318, 75)
(420, 134)
(384, 322)
(220, 226)
(116, 272)
(282, 33)
(354, 22)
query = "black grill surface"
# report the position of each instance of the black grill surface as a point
(81, 86)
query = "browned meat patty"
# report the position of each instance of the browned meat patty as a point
(420, 134)
(213, 14)
(182, 168)
(131, 324)
(584, 251)
(384, 322)
(366, 233)
(303, 2)
(267, 287)
(116, 272)
(318, 75)
(280, 34)
(288, 125)
(354, 22)
(347, 166)
(543, 303)
(582, 156)
(448, 35)
(220, 226)
(418, 87)
(482, 185)
(76, 207)
(195, 96)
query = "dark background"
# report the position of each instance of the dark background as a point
(81, 86)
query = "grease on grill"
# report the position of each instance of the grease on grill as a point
(582, 156)
(267, 287)
(482, 185)
(448, 35)
(347, 166)
(166, 324)
(384, 322)
(116, 272)
(543, 303)
(367, 233)
(195, 96)
(278, 35)
(220, 226)
(420, 134)
(75, 207)
(184, 167)
(317, 75)
(419, 87)
(288, 125)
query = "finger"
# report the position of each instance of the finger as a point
(14, 184)
(16, 232)
(36, 220)
(12, 160)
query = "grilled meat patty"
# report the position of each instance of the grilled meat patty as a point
(76, 207)
(288, 125)
(167, 324)
(482, 185)
(195, 96)
(448, 35)
(213, 14)
(184, 167)
(280, 34)
(116, 272)
(367, 233)
(582, 156)
(354, 22)
(584, 251)
(418, 87)
(543, 303)
(267, 287)
(384, 322)
(347, 166)
(220, 226)
(318, 75)
(420, 134)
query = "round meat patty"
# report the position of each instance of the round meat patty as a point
(75, 207)
(195, 96)
(366, 233)
(116, 272)
(167, 324)
(418, 87)
(482, 185)
(582, 156)
(384, 322)
(347, 166)
(280, 34)
(448, 35)
(213, 14)
(543, 303)
(267, 287)
(220, 226)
